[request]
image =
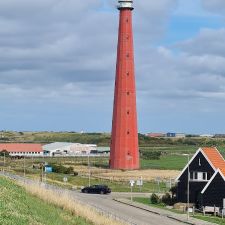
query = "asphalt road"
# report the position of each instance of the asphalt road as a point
(116, 210)
(125, 212)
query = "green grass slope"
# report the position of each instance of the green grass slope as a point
(20, 208)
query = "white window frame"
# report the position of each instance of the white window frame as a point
(199, 176)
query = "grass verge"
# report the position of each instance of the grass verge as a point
(63, 200)
(19, 208)
(146, 201)
(208, 218)
(34, 205)
(211, 219)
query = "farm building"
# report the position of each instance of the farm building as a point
(67, 148)
(206, 179)
(155, 135)
(175, 135)
(18, 149)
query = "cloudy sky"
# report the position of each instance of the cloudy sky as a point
(57, 65)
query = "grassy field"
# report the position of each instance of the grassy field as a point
(166, 162)
(117, 180)
(19, 208)
(79, 182)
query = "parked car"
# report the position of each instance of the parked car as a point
(97, 189)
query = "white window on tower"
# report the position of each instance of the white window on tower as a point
(199, 161)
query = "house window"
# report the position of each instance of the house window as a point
(195, 175)
(199, 176)
(199, 162)
(208, 176)
(204, 176)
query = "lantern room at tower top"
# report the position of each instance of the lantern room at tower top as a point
(125, 4)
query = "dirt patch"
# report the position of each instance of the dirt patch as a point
(147, 175)
(118, 175)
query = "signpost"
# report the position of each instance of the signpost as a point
(65, 179)
(140, 183)
(132, 182)
(158, 180)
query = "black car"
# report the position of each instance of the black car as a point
(97, 189)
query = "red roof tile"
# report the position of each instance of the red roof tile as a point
(9, 147)
(215, 158)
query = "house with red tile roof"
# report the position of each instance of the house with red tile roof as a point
(22, 149)
(206, 179)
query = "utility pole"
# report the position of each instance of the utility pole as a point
(188, 186)
(89, 171)
(188, 189)
(4, 162)
(24, 166)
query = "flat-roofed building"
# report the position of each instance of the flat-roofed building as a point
(68, 149)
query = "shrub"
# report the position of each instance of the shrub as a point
(69, 170)
(4, 153)
(75, 173)
(62, 169)
(151, 155)
(166, 199)
(155, 199)
(173, 191)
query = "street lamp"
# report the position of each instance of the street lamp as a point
(188, 186)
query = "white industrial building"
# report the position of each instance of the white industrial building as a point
(68, 149)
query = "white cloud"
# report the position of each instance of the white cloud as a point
(208, 41)
(63, 52)
(216, 6)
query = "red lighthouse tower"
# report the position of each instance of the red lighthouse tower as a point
(124, 151)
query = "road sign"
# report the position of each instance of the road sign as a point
(139, 183)
(65, 179)
(132, 182)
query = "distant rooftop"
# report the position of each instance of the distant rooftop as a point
(56, 145)
(19, 147)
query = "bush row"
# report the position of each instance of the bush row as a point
(62, 169)
(166, 199)
(151, 155)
